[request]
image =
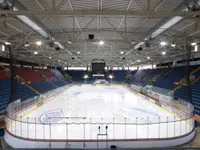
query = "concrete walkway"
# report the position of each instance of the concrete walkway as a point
(196, 141)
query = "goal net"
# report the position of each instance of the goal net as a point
(101, 82)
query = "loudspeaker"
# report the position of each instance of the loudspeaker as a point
(140, 49)
(91, 36)
(57, 48)
(51, 44)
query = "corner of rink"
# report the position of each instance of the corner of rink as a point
(16, 142)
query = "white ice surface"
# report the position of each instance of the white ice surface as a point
(113, 106)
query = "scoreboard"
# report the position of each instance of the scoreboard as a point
(98, 67)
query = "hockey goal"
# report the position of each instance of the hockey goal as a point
(101, 82)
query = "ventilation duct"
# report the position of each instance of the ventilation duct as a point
(31, 22)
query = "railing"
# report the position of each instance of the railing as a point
(86, 129)
(158, 90)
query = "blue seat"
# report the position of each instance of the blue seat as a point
(42, 86)
(21, 92)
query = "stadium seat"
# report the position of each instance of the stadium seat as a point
(42, 86)
(29, 75)
(3, 75)
(56, 81)
(46, 72)
(21, 92)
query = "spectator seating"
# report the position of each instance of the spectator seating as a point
(196, 97)
(144, 77)
(3, 75)
(57, 81)
(68, 81)
(77, 76)
(175, 75)
(29, 75)
(57, 73)
(46, 72)
(4, 93)
(119, 75)
(42, 86)
(183, 92)
(20, 92)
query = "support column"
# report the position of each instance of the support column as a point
(12, 74)
(188, 49)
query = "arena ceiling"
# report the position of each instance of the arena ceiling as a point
(132, 30)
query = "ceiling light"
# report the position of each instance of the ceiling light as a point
(35, 52)
(7, 43)
(69, 42)
(101, 43)
(85, 76)
(26, 44)
(138, 61)
(110, 76)
(193, 44)
(173, 45)
(39, 43)
(78, 52)
(121, 52)
(195, 48)
(49, 57)
(58, 60)
(148, 57)
(133, 42)
(163, 53)
(3, 48)
(163, 43)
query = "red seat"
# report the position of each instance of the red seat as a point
(29, 74)
(46, 72)
(3, 75)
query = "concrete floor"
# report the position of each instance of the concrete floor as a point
(196, 141)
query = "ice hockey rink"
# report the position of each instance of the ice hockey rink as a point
(98, 113)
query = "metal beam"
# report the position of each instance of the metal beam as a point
(148, 4)
(41, 6)
(99, 18)
(140, 4)
(91, 41)
(159, 5)
(61, 4)
(84, 29)
(3, 33)
(67, 36)
(191, 14)
(155, 9)
(115, 28)
(123, 17)
(53, 4)
(77, 22)
(13, 27)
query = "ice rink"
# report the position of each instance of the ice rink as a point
(98, 112)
